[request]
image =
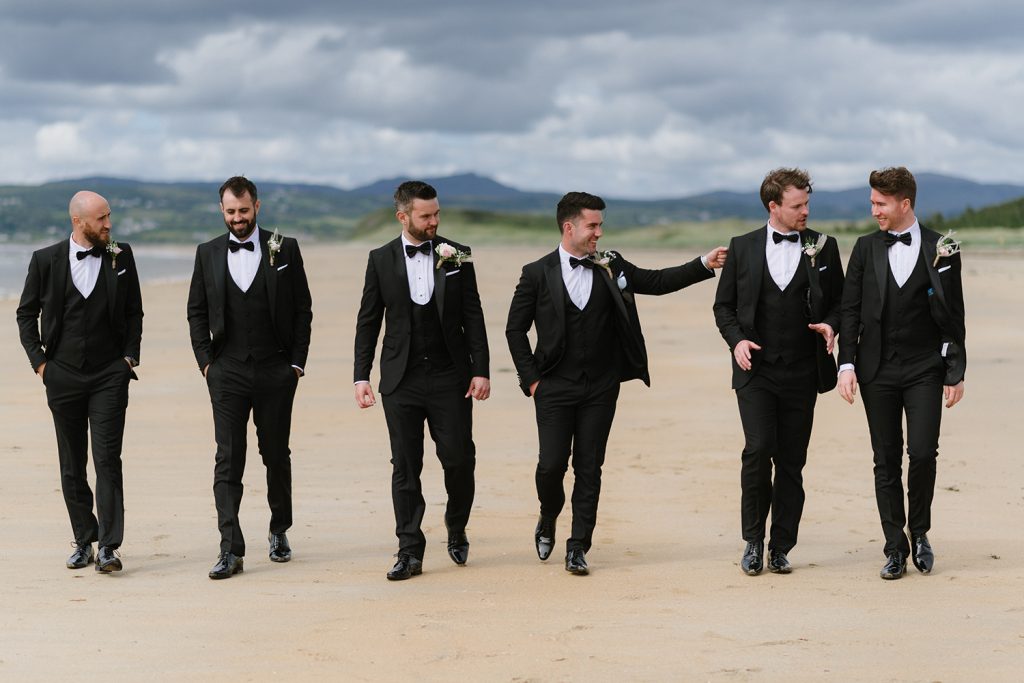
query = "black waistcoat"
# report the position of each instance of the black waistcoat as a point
(591, 341)
(249, 331)
(909, 330)
(427, 340)
(782, 318)
(87, 338)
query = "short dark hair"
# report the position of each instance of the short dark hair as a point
(238, 185)
(572, 204)
(775, 183)
(410, 190)
(895, 181)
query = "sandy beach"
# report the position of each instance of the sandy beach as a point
(665, 600)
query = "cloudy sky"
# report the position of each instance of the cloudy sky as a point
(642, 98)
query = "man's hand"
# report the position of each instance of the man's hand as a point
(41, 370)
(533, 387)
(953, 394)
(826, 331)
(848, 385)
(742, 353)
(479, 388)
(364, 395)
(298, 373)
(716, 257)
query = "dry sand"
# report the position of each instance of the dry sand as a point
(665, 600)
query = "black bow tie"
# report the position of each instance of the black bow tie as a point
(788, 237)
(891, 239)
(586, 262)
(95, 251)
(411, 251)
(235, 246)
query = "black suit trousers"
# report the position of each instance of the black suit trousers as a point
(267, 390)
(777, 412)
(84, 400)
(572, 421)
(912, 387)
(438, 397)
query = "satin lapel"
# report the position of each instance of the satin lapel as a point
(217, 265)
(60, 271)
(110, 275)
(928, 244)
(439, 281)
(401, 275)
(812, 271)
(613, 287)
(756, 264)
(269, 274)
(556, 288)
(880, 259)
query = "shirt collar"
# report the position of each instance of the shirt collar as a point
(253, 236)
(914, 230)
(76, 247)
(407, 243)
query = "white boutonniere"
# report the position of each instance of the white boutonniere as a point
(274, 245)
(604, 259)
(812, 248)
(945, 247)
(446, 253)
(113, 250)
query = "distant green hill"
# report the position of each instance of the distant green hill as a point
(1006, 215)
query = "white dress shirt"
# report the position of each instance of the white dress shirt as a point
(783, 258)
(242, 264)
(903, 258)
(84, 272)
(420, 270)
(579, 281)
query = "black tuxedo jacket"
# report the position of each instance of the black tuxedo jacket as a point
(41, 311)
(386, 297)
(739, 291)
(540, 299)
(867, 277)
(291, 306)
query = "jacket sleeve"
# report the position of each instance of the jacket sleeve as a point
(302, 305)
(727, 302)
(853, 294)
(29, 309)
(521, 315)
(473, 324)
(663, 281)
(833, 316)
(199, 314)
(133, 305)
(368, 322)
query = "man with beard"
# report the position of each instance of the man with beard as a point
(902, 339)
(80, 321)
(434, 360)
(249, 315)
(777, 307)
(583, 305)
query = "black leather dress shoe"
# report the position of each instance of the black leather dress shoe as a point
(778, 563)
(895, 567)
(82, 557)
(280, 551)
(753, 558)
(406, 567)
(458, 547)
(576, 563)
(108, 560)
(544, 537)
(924, 558)
(228, 564)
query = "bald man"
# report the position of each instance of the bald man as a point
(80, 320)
